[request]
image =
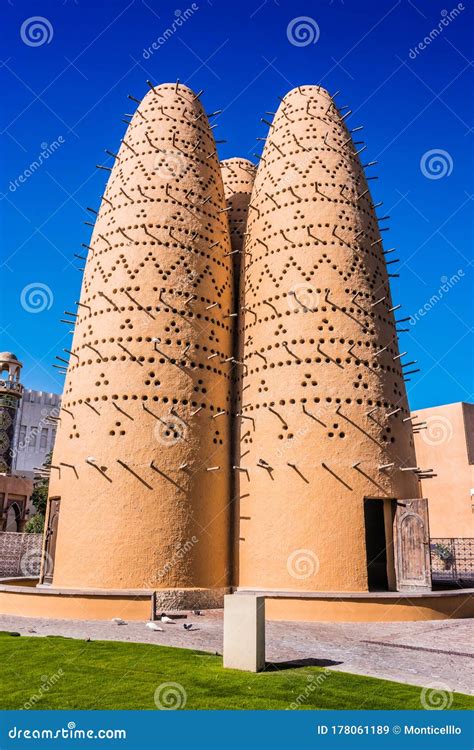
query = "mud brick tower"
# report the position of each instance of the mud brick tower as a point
(325, 423)
(142, 453)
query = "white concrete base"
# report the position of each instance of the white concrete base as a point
(244, 632)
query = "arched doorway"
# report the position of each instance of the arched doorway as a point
(13, 518)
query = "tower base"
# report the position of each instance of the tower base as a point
(365, 606)
(23, 597)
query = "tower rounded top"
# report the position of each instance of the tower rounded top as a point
(8, 357)
(311, 90)
(238, 161)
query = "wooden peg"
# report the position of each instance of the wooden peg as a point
(128, 146)
(374, 304)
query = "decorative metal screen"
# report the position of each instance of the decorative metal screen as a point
(452, 560)
(20, 554)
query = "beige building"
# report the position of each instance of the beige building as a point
(446, 445)
(35, 430)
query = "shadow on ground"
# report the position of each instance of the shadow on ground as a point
(277, 666)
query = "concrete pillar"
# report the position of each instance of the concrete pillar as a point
(244, 632)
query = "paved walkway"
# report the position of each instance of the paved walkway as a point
(418, 653)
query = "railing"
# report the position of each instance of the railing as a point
(11, 385)
(452, 561)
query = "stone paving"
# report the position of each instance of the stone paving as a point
(418, 653)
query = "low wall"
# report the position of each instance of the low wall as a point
(23, 597)
(20, 554)
(367, 607)
(19, 598)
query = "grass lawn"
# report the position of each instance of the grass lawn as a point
(111, 675)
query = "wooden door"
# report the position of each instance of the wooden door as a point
(51, 535)
(411, 539)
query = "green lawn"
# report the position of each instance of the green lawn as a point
(108, 675)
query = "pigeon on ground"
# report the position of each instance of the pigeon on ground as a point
(164, 618)
(197, 612)
(118, 621)
(187, 625)
(153, 626)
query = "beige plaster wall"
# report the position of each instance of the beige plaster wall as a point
(443, 447)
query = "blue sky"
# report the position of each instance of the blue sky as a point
(65, 85)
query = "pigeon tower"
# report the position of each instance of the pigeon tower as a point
(325, 421)
(141, 462)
